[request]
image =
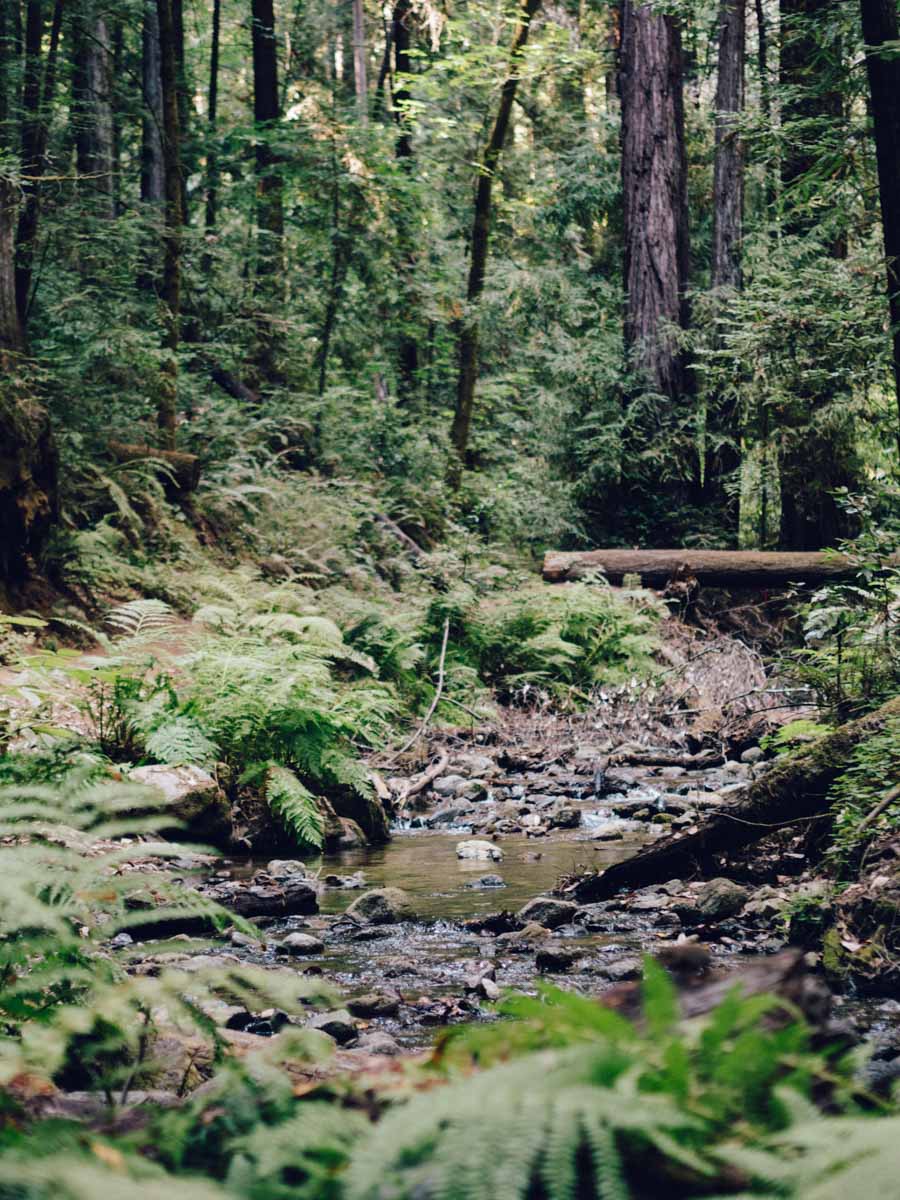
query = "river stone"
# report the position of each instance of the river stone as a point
(565, 817)
(713, 901)
(622, 970)
(753, 754)
(197, 804)
(485, 851)
(474, 764)
(449, 785)
(301, 943)
(546, 911)
(376, 1041)
(524, 939)
(338, 1024)
(450, 814)
(383, 906)
(555, 959)
(375, 1004)
(487, 881)
(263, 897)
(284, 868)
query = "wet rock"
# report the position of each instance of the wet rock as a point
(487, 881)
(524, 939)
(244, 941)
(338, 1024)
(713, 901)
(285, 868)
(450, 785)
(263, 896)
(546, 911)
(349, 882)
(753, 754)
(179, 1061)
(622, 970)
(375, 1004)
(198, 806)
(482, 981)
(349, 836)
(482, 851)
(566, 816)
(383, 906)
(376, 1041)
(556, 959)
(494, 923)
(477, 765)
(264, 1024)
(299, 944)
(449, 815)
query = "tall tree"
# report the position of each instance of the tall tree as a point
(37, 99)
(467, 342)
(153, 172)
(654, 184)
(728, 172)
(407, 343)
(400, 39)
(92, 104)
(212, 149)
(269, 183)
(170, 296)
(882, 36)
(360, 81)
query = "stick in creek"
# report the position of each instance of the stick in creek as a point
(437, 696)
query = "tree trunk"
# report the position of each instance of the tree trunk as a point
(37, 101)
(92, 104)
(880, 29)
(212, 150)
(728, 176)
(171, 281)
(467, 345)
(716, 568)
(359, 61)
(269, 184)
(790, 791)
(407, 345)
(28, 461)
(183, 92)
(654, 185)
(153, 172)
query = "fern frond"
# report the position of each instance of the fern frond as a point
(295, 806)
(140, 617)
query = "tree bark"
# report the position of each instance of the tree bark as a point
(269, 183)
(28, 459)
(92, 103)
(360, 81)
(728, 174)
(654, 185)
(467, 344)
(880, 28)
(407, 345)
(153, 172)
(212, 150)
(37, 101)
(714, 568)
(790, 791)
(171, 281)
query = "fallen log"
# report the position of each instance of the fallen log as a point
(791, 791)
(712, 568)
(182, 471)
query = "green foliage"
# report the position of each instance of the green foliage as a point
(874, 767)
(790, 736)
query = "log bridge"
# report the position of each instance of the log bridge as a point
(711, 568)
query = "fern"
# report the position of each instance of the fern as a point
(138, 618)
(180, 740)
(295, 806)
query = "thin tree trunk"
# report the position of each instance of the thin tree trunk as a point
(407, 347)
(400, 37)
(12, 337)
(880, 28)
(171, 282)
(153, 173)
(654, 185)
(212, 150)
(269, 184)
(728, 175)
(7, 57)
(467, 345)
(184, 104)
(359, 61)
(92, 96)
(35, 131)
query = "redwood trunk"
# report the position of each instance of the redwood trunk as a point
(407, 348)
(880, 29)
(728, 175)
(467, 347)
(212, 150)
(92, 96)
(153, 171)
(654, 185)
(269, 184)
(171, 282)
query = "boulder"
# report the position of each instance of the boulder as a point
(263, 896)
(199, 808)
(713, 901)
(556, 959)
(376, 1041)
(284, 868)
(546, 911)
(350, 836)
(338, 1024)
(566, 816)
(449, 785)
(299, 944)
(487, 881)
(383, 906)
(479, 850)
(451, 814)
(375, 1004)
(621, 970)
(522, 940)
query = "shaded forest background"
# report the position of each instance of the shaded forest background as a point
(566, 273)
